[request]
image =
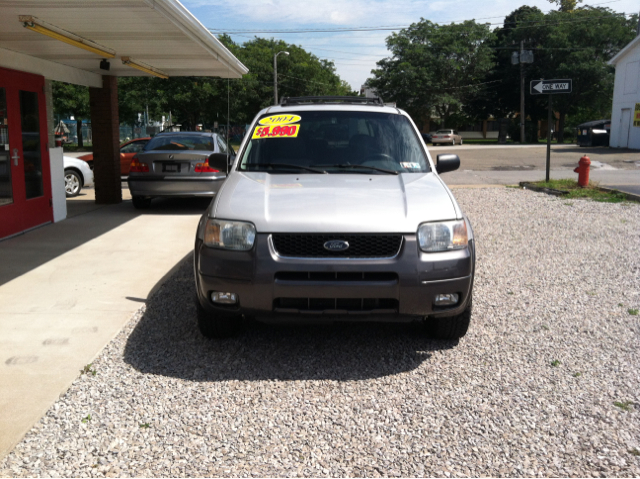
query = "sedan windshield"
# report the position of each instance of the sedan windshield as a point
(443, 132)
(181, 142)
(355, 142)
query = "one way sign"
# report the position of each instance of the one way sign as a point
(547, 87)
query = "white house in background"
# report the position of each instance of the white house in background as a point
(625, 114)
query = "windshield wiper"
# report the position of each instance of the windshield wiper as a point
(287, 165)
(348, 166)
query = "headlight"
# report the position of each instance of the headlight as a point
(445, 236)
(233, 235)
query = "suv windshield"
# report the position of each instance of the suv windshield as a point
(334, 142)
(181, 142)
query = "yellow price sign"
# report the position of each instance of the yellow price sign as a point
(279, 131)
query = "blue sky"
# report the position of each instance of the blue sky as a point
(355, 53)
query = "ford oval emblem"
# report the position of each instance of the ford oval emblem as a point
(336, 245)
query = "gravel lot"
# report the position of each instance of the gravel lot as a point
(530, 391)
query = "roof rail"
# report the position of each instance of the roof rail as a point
(357, 100)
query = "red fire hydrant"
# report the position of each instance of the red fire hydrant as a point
(583, 171)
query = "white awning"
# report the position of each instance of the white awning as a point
(161, 35)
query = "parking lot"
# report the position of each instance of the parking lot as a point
(544, 383)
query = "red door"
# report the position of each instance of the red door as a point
(25, 176)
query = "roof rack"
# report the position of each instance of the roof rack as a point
(355, 100)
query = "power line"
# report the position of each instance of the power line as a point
(393, 28)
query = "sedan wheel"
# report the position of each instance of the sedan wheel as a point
(72, 183)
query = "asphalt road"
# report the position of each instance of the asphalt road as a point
(511, 164)
(534, 157)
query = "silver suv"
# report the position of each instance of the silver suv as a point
(334, 210)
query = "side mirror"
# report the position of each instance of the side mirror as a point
(447, 163)
(232, 158)
(218, 161)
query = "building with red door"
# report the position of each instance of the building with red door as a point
(90, 44)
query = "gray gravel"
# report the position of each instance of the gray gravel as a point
(530, 391)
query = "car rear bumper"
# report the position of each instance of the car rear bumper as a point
(167, 186)
(403, 288)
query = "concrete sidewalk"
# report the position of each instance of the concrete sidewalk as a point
(67, 289)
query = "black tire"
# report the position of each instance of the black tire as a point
(452, 327)
(72, 183)
(217, 325)
(141, 202)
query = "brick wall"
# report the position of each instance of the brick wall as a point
(106, 141)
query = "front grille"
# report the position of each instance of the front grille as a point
(367, 305)
(311, 245)
(335, 276)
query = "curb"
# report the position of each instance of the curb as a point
(549, 191)
(628, 196)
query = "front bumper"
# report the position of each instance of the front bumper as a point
(173, 186)
(256, 277)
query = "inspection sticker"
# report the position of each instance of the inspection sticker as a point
(279, 131)
(410, 166)
(280, 120)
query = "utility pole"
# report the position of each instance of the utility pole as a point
(522, 117)
(275, 75)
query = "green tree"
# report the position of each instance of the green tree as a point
(566, 5)
(72, 100)
(137, 94)
(193, 100)
(574, 45)
(436, 68)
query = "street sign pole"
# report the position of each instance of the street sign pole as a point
(550, 88)
(549, 136)
(522, 115)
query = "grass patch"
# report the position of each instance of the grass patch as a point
(145, 425)
(86, 419)
(634, 452)
(87, 370)
(555, 363)
(625, 405)
(632, 311)
(577, 192)
(577, 375)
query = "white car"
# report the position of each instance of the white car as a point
(446, 137)
(77, 175)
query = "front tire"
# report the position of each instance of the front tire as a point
(217, 325)
(141, 202)
(72, 183)
(452, 327)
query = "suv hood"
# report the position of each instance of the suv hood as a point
(334, 203)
